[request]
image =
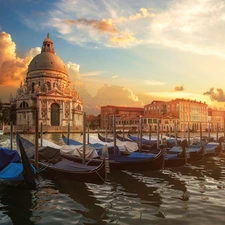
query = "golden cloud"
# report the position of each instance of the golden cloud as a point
(100, 25)
(144, 14)
(179, 88)
(123, 39)
(12, 68)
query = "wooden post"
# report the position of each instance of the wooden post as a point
(123, 131)
(106, 127)
(170, 128)
(11, 135)
(68, 134)
(209, 130)
(201, 133)
(161, 132)
(88, 133)
(36, 138)
(84, 137)
(41, 134)
(150, 132)
(217, 131)
(175, 130)
(114, 133)
(157, 133)
(140, 140)
(189, 141)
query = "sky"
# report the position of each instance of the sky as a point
(120, 52)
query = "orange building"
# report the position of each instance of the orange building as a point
(187, 113)
(127, 117)
(216, 119)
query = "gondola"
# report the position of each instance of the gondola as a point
(104, 139)
(196, 153)
(171, 159)
(16, 169)
(213, 149)
(193, 154)
(97, 146)
(51, 163)
(170, 142)
(150, 146)
(135, 161)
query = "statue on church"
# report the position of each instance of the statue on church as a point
(36, 87)
(24, 88)
(46, 87)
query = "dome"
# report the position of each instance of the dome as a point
(47, 61)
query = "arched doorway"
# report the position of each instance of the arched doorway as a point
(54, 114)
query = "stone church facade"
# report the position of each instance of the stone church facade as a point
(47, 88)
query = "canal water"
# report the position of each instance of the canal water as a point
(194, 194)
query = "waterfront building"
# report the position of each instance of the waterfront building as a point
(216, 119)
(126, 117)
(186, 113)
(47, 89)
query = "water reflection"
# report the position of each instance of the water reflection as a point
(17, 205)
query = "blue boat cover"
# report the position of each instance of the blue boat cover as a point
(140, 155)
(7, 156)
(71, 141)
(12, 172)
(172, 156)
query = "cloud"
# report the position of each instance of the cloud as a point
(33, 52)
(174, 94)
(102, 26)
(155, 83)
(124, 40)
(144, 14)
(116, 37)
(193, 26)
(73, 71)
(93, 73)
(96, 23)
(183, 25)
(179, 88)
(12, 68)
(216, 95)
(108, 95)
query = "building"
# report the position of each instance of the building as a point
(47, 89)
(188, 113)
(126, 117)
(216, 119)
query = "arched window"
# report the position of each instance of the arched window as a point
(78, 107)
(33, 87)
(55, 113)
(24, 105)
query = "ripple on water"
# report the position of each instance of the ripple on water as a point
(190, 195)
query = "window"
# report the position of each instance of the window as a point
(24, 105)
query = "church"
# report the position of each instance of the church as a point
(47, 88)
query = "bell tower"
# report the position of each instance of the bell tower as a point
(47, 45)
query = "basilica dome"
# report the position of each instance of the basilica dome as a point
(47, 59)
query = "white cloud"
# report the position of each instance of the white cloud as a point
(93, 73)
(33, 52)
(188, 25)
(155, 83)
(193, 25)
